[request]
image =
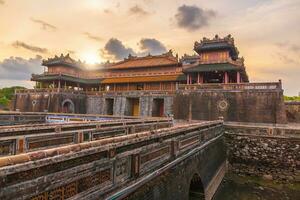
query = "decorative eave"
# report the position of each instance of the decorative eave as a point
(64, 77)
(217, 43)
(214, 67)
(63, 60)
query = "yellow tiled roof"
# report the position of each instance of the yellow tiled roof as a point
(147, 61)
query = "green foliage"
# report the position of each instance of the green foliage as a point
(294, 98)
(4, 101)
(6, 95)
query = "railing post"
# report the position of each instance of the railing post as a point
(135, 165)
(174, 148)
(20, 145)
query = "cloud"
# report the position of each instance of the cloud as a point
(292, 47)
(107, 11)
(17, 68)
(92, 37)
(137, 10)
(18, 44)
(116, 50)
(192, 17)
(45, 25)
(152, 46)
(287, 59)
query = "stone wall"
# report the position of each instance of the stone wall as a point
(272, 153)
(293, 111)
(96, 103)
(262, 106)
(48, 101)
(240, 105)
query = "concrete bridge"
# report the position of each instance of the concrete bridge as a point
(185, 161)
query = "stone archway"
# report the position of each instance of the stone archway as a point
(196, 189)
(68, 106)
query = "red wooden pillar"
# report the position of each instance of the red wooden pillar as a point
(238, 77)
(226, 77)
(201, 78)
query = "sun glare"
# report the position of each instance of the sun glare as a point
(91, 58)
(95, 3)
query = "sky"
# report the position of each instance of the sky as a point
(266, 33)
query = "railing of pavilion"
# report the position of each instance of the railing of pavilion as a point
(222, 86)
(49, 90)
(233, 86)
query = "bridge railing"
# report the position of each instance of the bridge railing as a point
(21, 139)
(232, 86)
(15, 118)
(100, 166)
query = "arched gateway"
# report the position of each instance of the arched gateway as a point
(196, 191)
(68, 106)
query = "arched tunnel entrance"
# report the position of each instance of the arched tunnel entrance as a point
(196, 191)
(68, 106)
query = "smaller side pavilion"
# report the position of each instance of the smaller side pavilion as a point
(64, 72)
(217, 62)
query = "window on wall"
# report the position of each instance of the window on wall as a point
(205, 57)
(223, 55)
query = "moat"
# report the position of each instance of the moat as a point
(235, 187)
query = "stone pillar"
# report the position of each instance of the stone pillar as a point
(238, 77)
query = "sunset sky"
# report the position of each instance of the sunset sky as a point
(266, 32)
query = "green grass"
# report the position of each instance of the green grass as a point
(294, 98)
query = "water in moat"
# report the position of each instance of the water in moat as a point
(236, 187)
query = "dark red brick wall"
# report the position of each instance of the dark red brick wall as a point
(258, 106)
